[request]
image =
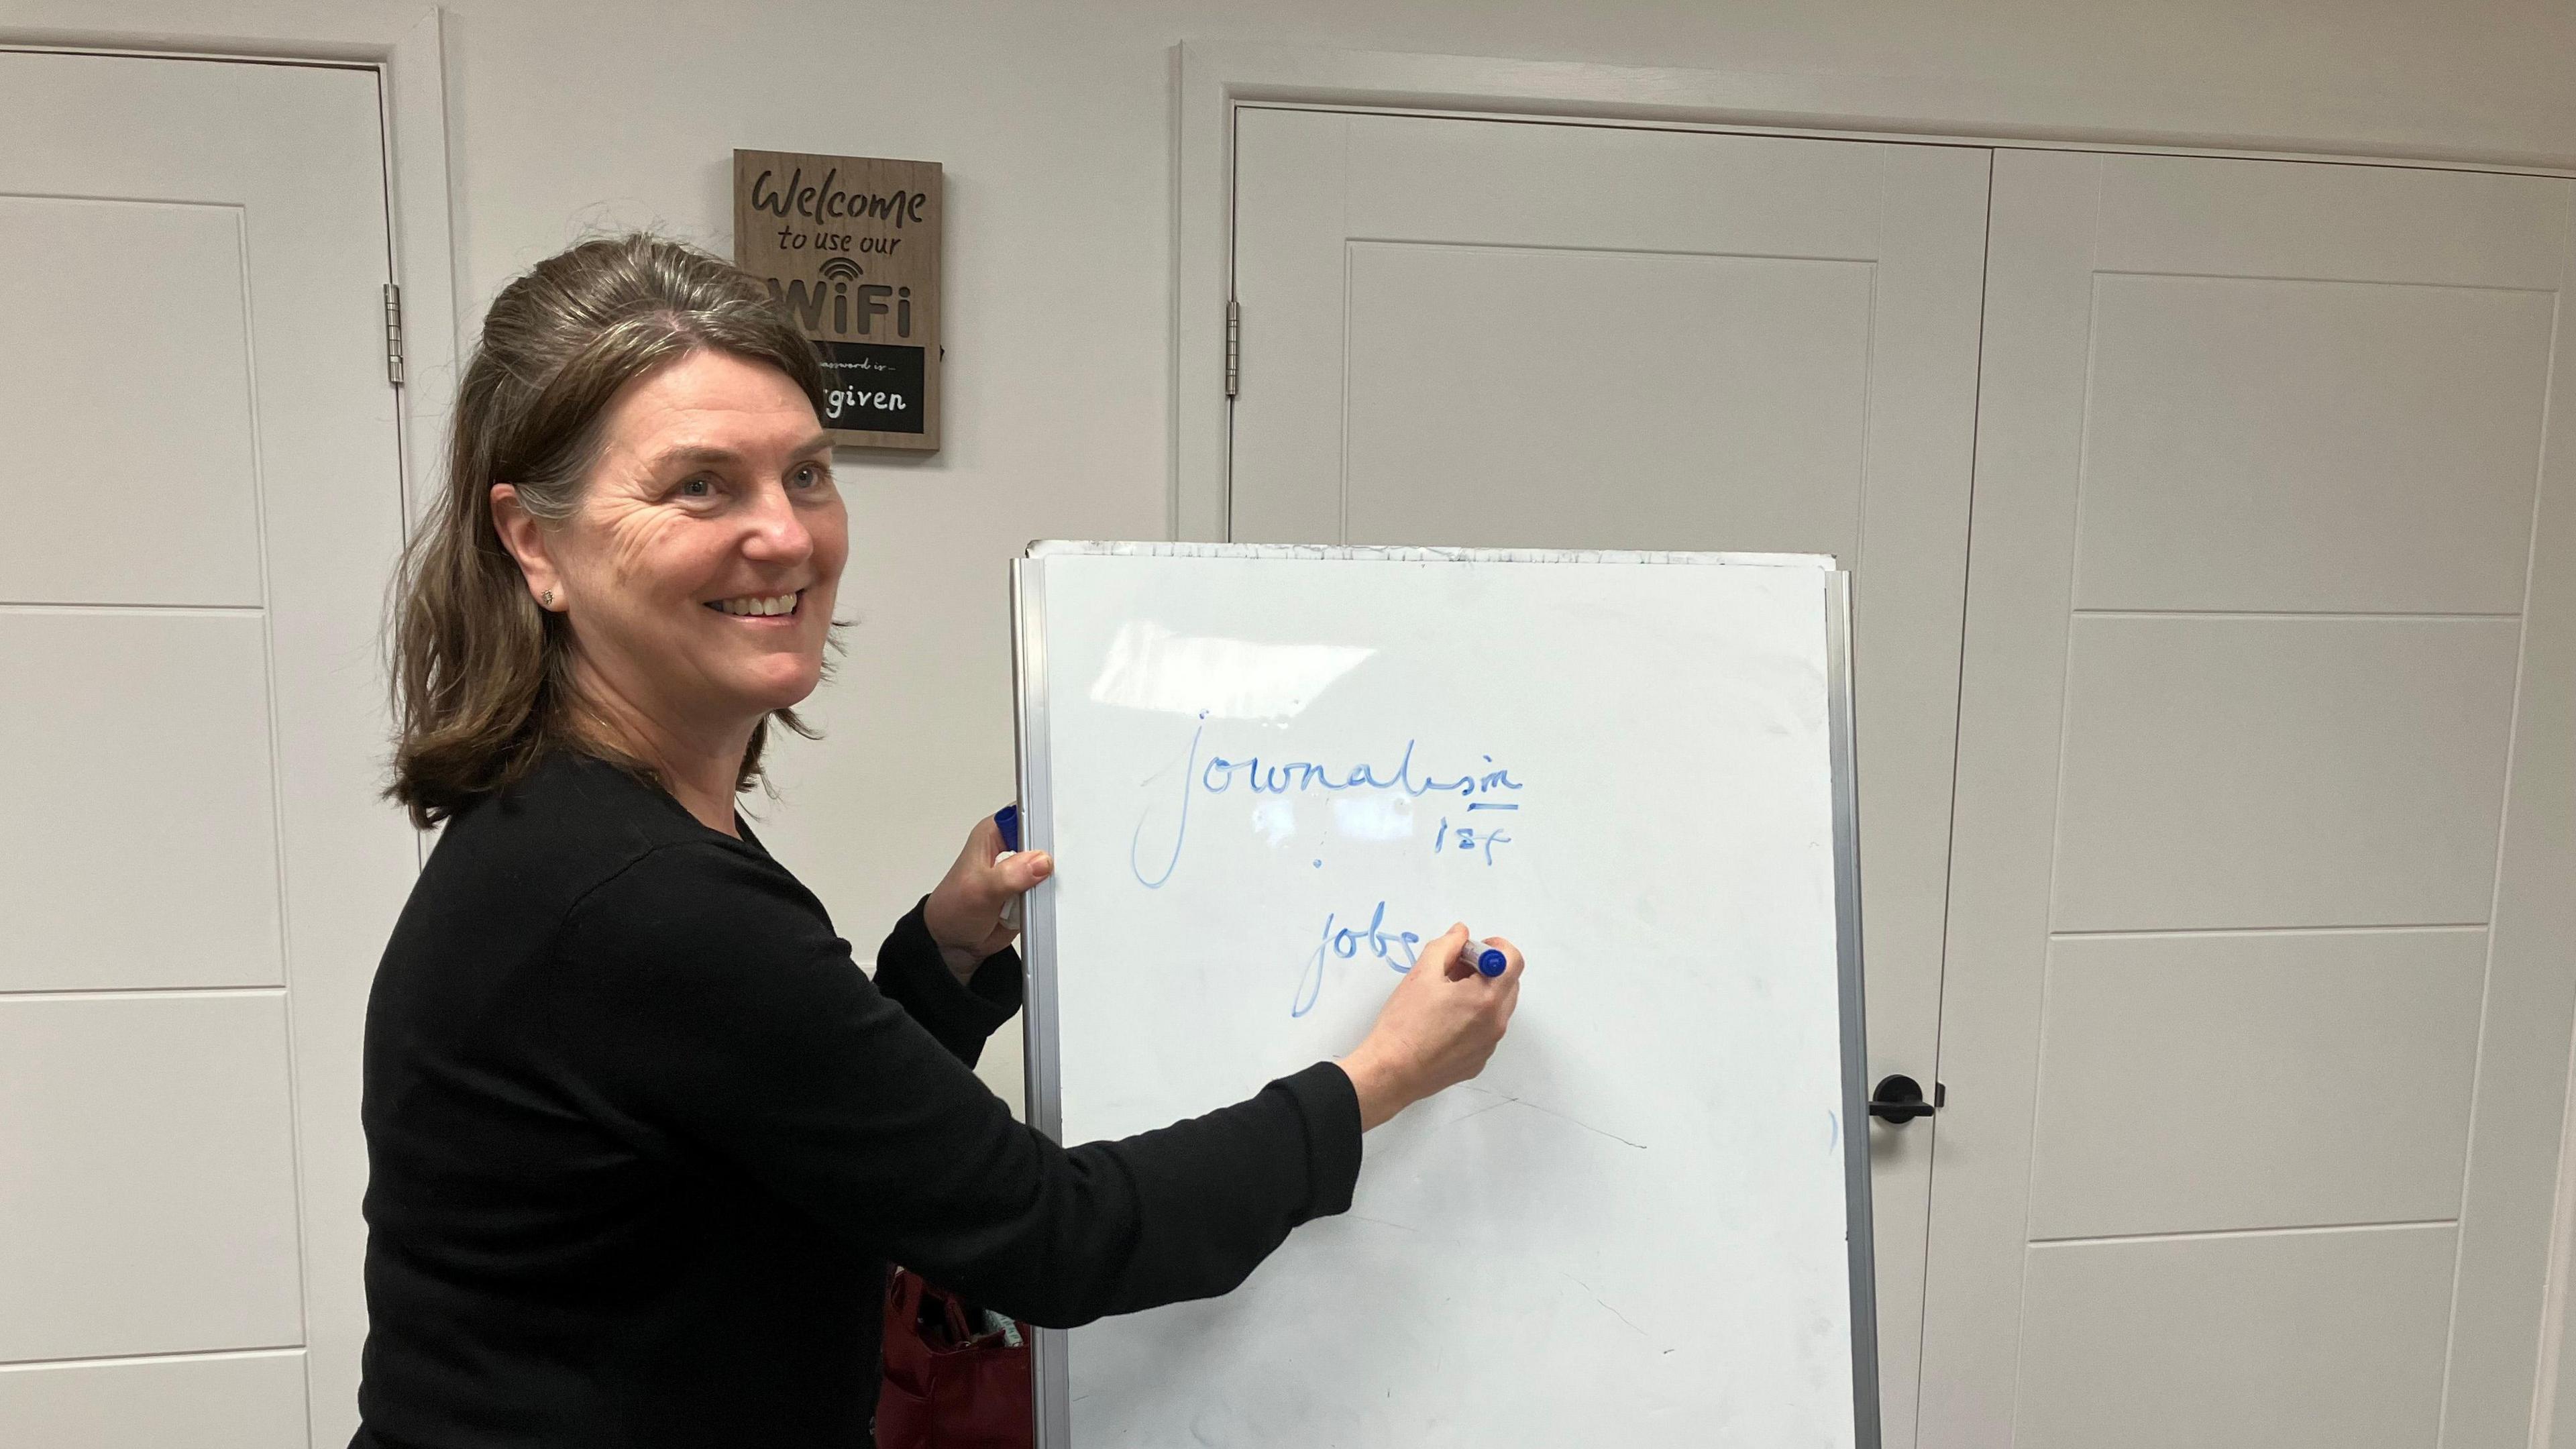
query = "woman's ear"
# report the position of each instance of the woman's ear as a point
(526, 540)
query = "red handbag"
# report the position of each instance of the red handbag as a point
(949, 1383)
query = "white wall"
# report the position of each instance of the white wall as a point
(1054, 122)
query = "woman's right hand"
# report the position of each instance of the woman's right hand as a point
(1436, 1030)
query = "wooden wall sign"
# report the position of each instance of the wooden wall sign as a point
(849, 246)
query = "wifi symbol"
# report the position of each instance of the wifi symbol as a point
(841, 267)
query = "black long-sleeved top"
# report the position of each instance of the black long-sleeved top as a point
(643, 1138)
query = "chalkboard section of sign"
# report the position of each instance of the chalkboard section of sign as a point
(873, 388)
(849, 248)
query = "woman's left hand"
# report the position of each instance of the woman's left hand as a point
(965, 909)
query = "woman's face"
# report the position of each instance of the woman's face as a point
(698, 570)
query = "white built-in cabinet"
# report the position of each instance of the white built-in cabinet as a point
(2258, 984)
(2215, 644)
(203, 497)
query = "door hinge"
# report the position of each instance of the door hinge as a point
(393, 335)
(1233, 347)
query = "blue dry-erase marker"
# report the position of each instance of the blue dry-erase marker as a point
(1008, 819)
(1488, 959)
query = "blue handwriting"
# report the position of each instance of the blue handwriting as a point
(1220, 774)
(1347, 942)
(1301, 775)
(1467, 839)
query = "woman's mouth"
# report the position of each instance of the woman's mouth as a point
(758, 606)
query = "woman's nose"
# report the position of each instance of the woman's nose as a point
(778, 532)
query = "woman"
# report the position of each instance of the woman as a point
(643, 1137)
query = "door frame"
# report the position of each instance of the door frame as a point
(404, 44)
(1210, 82)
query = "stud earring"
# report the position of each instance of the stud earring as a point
(546, 600)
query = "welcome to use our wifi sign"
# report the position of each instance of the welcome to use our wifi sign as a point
(849, 247)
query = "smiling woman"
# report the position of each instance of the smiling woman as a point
(703, 556)
(592, 364)
(642, 1137)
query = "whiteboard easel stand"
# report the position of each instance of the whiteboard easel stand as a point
(1051, 1389)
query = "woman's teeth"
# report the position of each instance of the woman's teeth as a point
(774, 604)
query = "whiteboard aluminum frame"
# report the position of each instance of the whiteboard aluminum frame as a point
(1051, 1396)
(1051, 1402)
(1859, 1227)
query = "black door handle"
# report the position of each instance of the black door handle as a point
(1899, 1099)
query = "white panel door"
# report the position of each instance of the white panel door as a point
(204, 497)
(1502, 333)
(2256, 1022)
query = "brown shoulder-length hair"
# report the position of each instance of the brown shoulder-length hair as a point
(482, 677)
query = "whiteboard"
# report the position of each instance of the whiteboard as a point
(1266, 773)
